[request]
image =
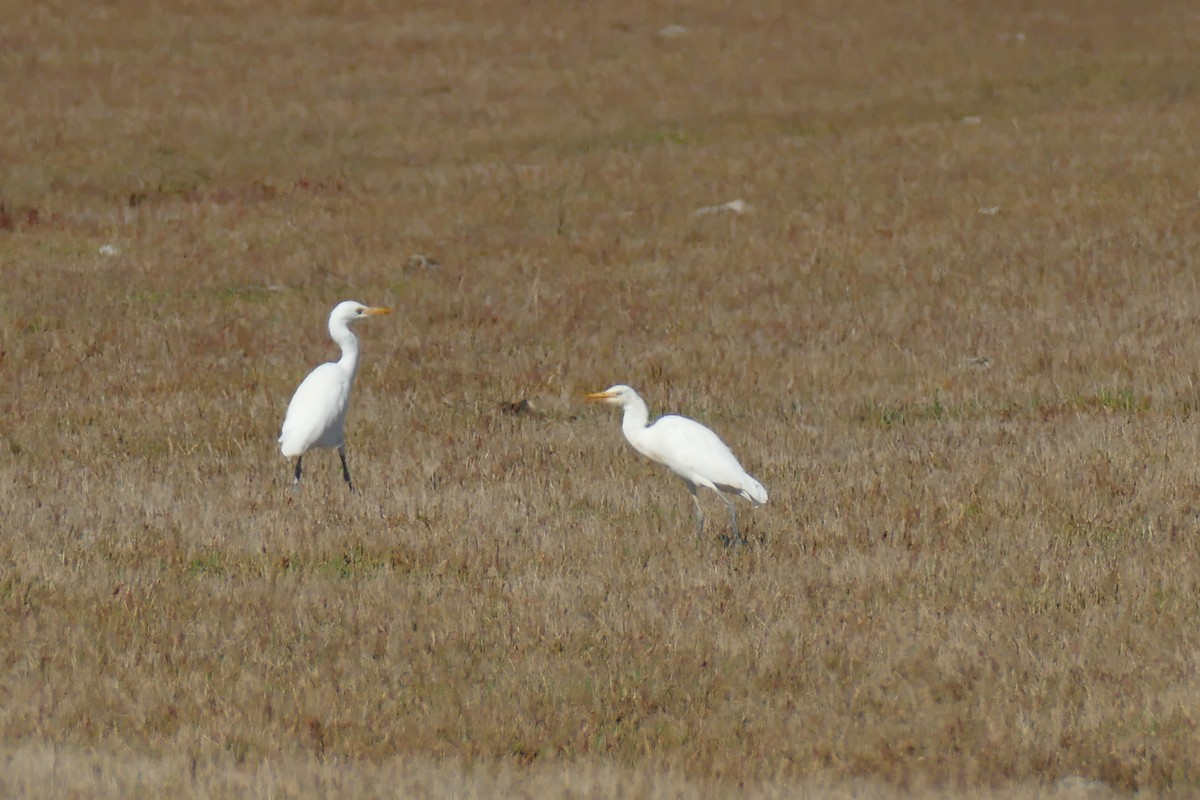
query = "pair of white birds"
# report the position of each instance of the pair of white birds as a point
(316, 417)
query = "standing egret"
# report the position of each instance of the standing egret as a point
(690, 450)
(316, 417)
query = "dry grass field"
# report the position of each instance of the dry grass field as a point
(955, 334)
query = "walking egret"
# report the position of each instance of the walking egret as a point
(316, 416)
(690, 450)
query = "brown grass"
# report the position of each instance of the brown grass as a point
(955, 337)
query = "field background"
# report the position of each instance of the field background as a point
(955, 335)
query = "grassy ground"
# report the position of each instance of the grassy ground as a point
(955, 335)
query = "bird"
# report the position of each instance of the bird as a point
(316, 415)
(690, 450)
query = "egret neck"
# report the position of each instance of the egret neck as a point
(341, 334)
(635, 420)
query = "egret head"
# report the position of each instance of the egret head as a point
(618, 395)
(349, 311)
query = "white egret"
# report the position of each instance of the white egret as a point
(316, 416)
(690, 450)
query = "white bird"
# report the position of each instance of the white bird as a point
(690, 450)
(316, 417)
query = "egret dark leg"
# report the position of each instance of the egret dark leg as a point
(296, 482)
(734, 539)
(699, 511)
(345, 469)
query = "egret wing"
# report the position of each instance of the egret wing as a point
(316, 413)
(690, 449)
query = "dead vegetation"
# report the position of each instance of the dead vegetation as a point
(950, 326)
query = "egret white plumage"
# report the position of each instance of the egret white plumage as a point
(316, 416)
(690, 450)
